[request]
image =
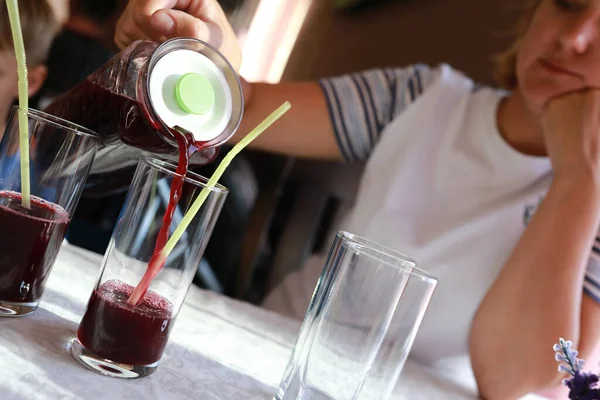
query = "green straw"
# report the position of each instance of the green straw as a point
(189, 216)
(15, 26)
(156, 264)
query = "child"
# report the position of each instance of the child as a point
(39, 27)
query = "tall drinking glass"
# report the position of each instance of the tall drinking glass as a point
(360, 325)
(116, 338)
(60, 154)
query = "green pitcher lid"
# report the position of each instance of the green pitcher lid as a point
(194, 94)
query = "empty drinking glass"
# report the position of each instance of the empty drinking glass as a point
(360, 325)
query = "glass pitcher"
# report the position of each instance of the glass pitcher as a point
(139, 99)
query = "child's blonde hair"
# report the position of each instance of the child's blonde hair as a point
(39, 26)
(505, 63)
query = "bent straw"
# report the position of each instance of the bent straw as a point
(156, 263)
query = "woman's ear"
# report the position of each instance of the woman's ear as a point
(36, 77)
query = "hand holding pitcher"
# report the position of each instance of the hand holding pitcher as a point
(159, 20)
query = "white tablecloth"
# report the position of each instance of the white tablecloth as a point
(219, 349)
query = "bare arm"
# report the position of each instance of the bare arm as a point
(538, 296)
(363, 103)
(305, 131)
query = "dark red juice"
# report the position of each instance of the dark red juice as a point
(176, 187)
(29, 242)
(156, 263)
(113, 329)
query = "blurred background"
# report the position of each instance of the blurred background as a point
(280, 209)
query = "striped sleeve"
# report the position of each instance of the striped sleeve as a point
(591, 284)
(362, 104)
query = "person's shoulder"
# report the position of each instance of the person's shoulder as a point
(451, 77)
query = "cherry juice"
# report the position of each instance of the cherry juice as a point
(29, 243)
(128, 334)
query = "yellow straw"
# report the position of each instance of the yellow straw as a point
(191, 213)
(156, 264)
(15, 26)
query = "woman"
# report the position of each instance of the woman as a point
(494, 192)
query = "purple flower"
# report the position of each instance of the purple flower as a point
(568, 356)
(582, 385)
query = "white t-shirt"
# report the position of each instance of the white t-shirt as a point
(440, 185)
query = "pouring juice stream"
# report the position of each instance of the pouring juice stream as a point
(162, 252)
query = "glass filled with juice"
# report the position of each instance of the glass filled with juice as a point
(31, 234)
(122, 334)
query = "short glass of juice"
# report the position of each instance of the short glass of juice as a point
(60, 156)
(122, 337)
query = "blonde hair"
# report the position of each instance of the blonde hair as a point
(39, 26)
(505, 63)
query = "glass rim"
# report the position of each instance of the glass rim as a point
(386, 255)
(58, 122)
(190, 177)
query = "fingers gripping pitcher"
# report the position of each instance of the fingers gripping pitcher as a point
(151, 97)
